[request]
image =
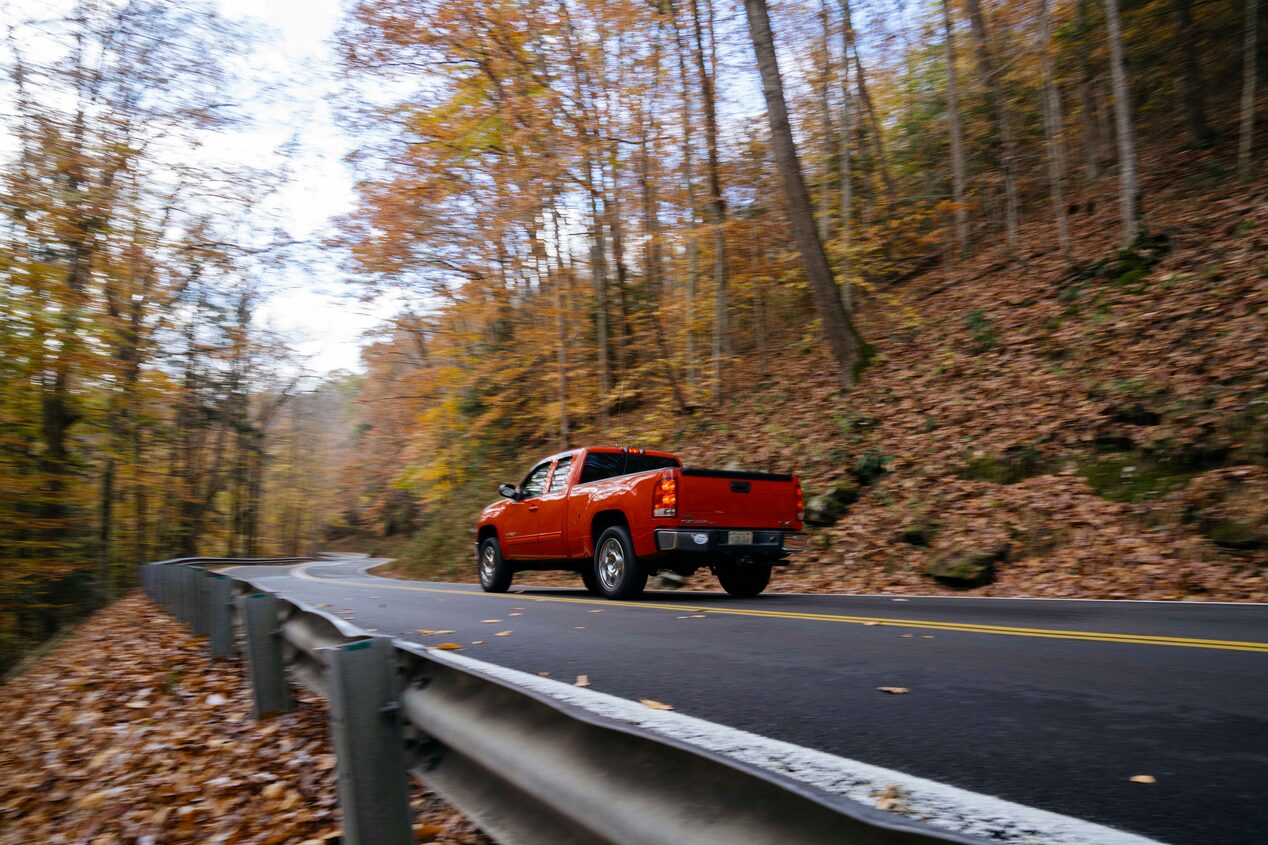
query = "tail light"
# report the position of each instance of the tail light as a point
(665, 496)
(801, 500)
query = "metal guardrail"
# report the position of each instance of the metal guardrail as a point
(526, 768)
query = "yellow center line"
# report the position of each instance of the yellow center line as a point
(932, 625)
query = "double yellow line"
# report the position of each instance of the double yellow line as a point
(919, 624)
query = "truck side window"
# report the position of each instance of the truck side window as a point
(535, 482)
(559, 480)
(600, 465)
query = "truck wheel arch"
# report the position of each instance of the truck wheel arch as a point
(485, 532)
(602, 521)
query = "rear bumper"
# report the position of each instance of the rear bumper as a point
(715, 541)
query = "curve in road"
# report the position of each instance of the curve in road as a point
(1050, 704)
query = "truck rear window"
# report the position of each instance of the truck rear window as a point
(601, 465)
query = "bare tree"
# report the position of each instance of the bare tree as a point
(706, 71)
(1087, 101)
(1054, 129)
(1128, 187)
(999, 116)
(956, 127)
(847, 174)
(1200, 133)
(1246, 140)
(842, 337)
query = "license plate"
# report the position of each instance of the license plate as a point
(739, 538)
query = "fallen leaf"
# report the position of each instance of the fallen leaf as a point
(514, 614)
(427, 633)
(273, 790)
(600, 610)
(655, 705)
(477, 642)
(904, 636)
(899, 599)
(581, 627)
(490, 621)
(427, 832)
(448, 647)
(870, 624)
(894, 690)
(1143, 779)
(216, 699)
(582, 681)
(502, 634)
(926, 636)
(94, 799)
(543, 674)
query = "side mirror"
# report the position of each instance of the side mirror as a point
(510, 491)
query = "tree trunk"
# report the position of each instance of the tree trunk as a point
(1128, 188)
(847, 171)
(877, 139)
(956, 127)
(598, 277)
(999, 116)
(841, 335)
(1246, 139)
(693, 238)
(717, 205)
(827, 142)
(1200, 134)
(1087, 102)
(1054, 130)
(561, 328)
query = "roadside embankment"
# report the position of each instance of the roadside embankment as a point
(127, 732)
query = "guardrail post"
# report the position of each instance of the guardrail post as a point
(365, 723)
(189, 596)
(198, 602)
(270, 691)
(220, 607)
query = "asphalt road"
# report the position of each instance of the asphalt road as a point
(1053, 704)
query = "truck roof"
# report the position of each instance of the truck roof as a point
(610, 448)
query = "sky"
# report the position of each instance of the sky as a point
(312, 305)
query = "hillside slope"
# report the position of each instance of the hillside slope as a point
(1096, 433)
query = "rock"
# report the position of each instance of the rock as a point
(917, 533)
(827, 508)
(823, 510)
(870, 466)
(1241, 534)
(966, 567)
(844, 492)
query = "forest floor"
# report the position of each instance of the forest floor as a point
(125, 731)
(1026, 429)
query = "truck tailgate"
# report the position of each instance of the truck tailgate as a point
(725, 499)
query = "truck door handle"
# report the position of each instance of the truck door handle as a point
(532, 508)
(741, 486)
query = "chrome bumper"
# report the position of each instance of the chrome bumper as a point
(715, 540)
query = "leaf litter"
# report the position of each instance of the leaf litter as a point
(190, 766)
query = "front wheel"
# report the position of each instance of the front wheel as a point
(744, 580)
(619, 573)
(495, 573)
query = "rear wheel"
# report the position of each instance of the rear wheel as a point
(495, 573)
(618, 572)
(744, 580)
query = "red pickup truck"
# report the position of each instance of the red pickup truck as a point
(618, 515)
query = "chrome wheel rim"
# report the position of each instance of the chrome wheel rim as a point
(611, 564)
(487, 564)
